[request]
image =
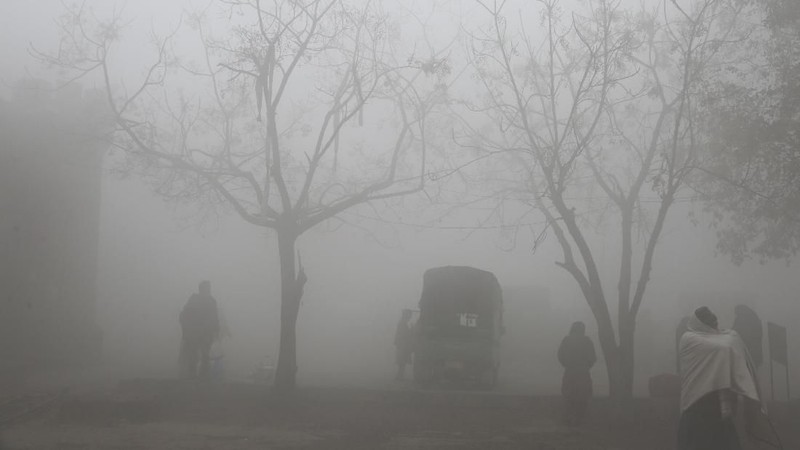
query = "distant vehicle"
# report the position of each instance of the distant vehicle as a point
(459, 327)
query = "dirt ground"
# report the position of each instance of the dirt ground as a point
(171, 414)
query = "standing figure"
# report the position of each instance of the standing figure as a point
(576, 354)
(715, 371)
(199, 320)
(748, 325)
(404, 343)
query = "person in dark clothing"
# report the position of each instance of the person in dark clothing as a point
(404, 343)
(576, 354)
(748, 325)
(199, 320)
(705, 426)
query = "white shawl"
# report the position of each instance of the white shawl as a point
(712, 360)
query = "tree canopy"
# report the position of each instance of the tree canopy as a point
(752, 168)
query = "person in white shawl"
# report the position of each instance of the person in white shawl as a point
(715, 371)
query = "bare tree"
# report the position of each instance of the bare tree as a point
(277, 120)
(597, 118)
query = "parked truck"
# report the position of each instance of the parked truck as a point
(459, 327)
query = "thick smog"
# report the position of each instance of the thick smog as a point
(341, 224)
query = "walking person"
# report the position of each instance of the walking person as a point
(576, 354)
(199, 321)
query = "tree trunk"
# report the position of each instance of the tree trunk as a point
(606, 337)
(618, 357)
(626, 346)
(291, 292)
(625, 323)
(608, 345)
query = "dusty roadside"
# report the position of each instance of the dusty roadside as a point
(168, 414)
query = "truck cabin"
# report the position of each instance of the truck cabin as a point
(460, 303)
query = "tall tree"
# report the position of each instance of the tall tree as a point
(751, 172)
(595, 113)
(295, 112)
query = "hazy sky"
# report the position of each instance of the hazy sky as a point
(23, 23)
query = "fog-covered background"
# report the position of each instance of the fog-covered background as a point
(351, 306)
(152, 254)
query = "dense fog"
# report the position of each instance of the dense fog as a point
(152, 253)
(349, 311)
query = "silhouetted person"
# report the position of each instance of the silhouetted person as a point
(748, 325)
(715, 372)
(576, 354)
(404, 343)
(200, 326)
